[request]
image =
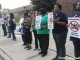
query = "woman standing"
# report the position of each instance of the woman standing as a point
(76, 41)
(21, 31)
(35, 13)
(43, 33)
(26, 29)
(12, 26)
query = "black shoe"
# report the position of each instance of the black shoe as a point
(8, 37)
(39, 50)
(29, 48)
(56, 58)
(5, 35)
(14, 39)
(35, 49)
(24, 44)
(43, 55)
(40, 53)
(25, 47)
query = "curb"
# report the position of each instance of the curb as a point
(4, 55)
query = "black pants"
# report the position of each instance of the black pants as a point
(24, 40)
(60, 41)
(4, 29)
(28, 36)
(44, 42)
(36, 39)
(76, 49)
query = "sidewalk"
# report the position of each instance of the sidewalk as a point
(15, 51)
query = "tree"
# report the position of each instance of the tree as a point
(47, 4)
(5, 10)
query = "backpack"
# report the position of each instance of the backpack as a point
(12, 24)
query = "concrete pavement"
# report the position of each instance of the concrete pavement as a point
(13, 50)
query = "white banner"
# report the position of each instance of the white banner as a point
(74, 27)
(50, 21)
(38, 22)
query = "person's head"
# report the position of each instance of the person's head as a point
(7, 15)
(11, 16)
(42, 11)
(25, 14)
(78, 6)
(57, 8)
(35, 13)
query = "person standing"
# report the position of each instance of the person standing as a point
(26, 29)
(3, 23)
(21, 31)
(76, 41)
(8, 25)
(43, 33)
(60, 31)
(12, 26)
(35, 13)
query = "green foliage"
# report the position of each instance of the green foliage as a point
(47, 4)
(17, 24)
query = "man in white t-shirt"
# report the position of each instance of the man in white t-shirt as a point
(21, 21)
(21, 31)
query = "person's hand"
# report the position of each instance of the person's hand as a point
(31, 29)
(67, 25)
(42, 27)
(21, 23)
(56, 21)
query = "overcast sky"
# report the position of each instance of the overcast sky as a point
(11, 4)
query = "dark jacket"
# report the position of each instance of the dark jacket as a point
(12, 24)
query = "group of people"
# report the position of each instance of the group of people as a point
(27, 26)
(8, 25)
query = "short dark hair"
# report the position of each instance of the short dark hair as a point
(25, 13)
(59, 5)
(42, 11)
(11, 16)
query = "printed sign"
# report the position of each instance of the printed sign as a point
(38, 22)
(50, 21)
(74, 27)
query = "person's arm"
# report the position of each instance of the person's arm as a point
(64, 20)
(60, 23)
(33, 23)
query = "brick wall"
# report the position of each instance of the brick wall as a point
(67, 6)
(17, 17)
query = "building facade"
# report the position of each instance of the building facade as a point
(68, 6)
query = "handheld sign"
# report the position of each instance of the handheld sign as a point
(38, 22)
(50, 21)
(74, 27)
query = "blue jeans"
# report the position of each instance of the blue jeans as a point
(4, 29)
(11, 31)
